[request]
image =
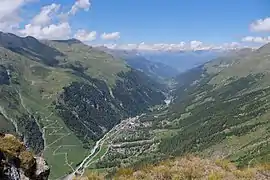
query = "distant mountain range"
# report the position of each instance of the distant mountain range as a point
(171, 61)
(182, 60)
(162, 65)
(156, 70)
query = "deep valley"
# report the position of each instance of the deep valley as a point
(89, 110)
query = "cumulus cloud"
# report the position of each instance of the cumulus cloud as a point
(46, 15)
(49, 23)
(182, 46)
(110, 36)
(52, 31)
(256, 39)
(83, 35)
(261, 25)
(80, 4)
(9, 14)
(195, 44)
(52, 23)
(232, 45)
(42, 26)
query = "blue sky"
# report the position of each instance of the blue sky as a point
(150, 21)
(175, 20)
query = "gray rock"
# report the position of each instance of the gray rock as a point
(42, 169)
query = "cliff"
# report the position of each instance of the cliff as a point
(17, 163)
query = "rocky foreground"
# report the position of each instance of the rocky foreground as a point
(17, 163)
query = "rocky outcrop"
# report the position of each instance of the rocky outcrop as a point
(16, 163)
(4, 75)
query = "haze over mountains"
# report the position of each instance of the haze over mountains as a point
(183, 60)
(157, 70)
(166, 64)
(134, 90)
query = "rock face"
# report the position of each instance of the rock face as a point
(16, 163)
(4, 75)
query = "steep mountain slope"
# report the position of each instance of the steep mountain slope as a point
(61, 96)
(91, 61)
(225, 111)
(227, 106)
(156, 70)
(30, 47)
(220, 109)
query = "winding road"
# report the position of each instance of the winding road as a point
(79, 171)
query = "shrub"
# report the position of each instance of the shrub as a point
(215, 176)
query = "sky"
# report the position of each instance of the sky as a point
(142, 24)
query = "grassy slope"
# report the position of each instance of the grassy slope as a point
(251, 147)
(39, 87)
(100, 64)
(188, 167)
(5, 125)
(240, 65)
(57, 136)
(245, 105)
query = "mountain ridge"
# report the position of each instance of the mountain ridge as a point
(156, 70)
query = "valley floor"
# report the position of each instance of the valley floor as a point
(100, 149)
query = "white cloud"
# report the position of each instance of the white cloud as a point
(49, 23)
(195, 44)
(232, 45)
(182, 46)
(110, 36)
(9, 14)
(80, 4)
(45, 26)
(10, 7)
(46, 15)
(120, 46)
(52, 31)
(256, 39)
(83, 35)
(261, 25)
